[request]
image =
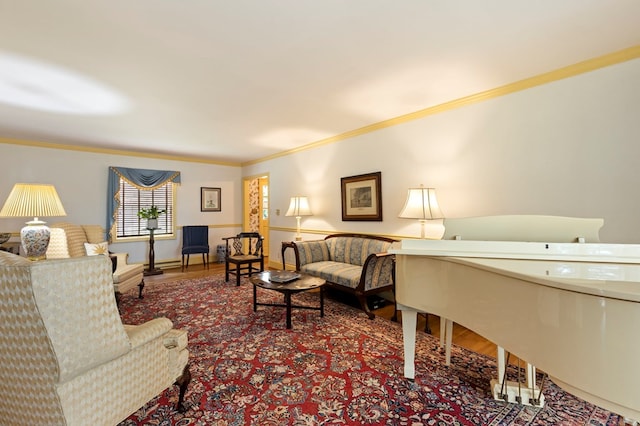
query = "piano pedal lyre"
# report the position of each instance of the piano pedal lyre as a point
(515, 391)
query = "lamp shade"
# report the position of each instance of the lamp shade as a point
(421, 204)
(33, 200)
(299, 206)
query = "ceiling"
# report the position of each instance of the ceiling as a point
(235, 81)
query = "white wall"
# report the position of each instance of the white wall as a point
(81, 181)
(567, 148)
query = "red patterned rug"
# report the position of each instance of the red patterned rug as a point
(248, 369)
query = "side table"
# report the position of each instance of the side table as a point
(11, 247)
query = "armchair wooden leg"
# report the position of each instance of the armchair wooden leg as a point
(183, 381)
(118, 295)
(140, 286)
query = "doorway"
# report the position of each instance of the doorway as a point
(256, 207)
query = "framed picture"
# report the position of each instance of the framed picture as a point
(210, 200)
(362, 197)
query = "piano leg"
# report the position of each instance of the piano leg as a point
(409, 322)
(446, 338)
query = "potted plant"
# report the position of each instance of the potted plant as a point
(151, 214)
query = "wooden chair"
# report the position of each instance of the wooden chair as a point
(243, 251)
(195, 240)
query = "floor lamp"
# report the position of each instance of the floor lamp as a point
(298, 207)
(421, 204)
(33, 200)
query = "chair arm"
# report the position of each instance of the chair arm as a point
(150, 330)
(122, 257)
(378, 271)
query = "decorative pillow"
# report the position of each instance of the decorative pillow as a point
(97, 249)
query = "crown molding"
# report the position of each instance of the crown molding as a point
(589, 65)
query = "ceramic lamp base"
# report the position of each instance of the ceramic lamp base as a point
(35, 239)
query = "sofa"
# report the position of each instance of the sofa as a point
(66, 358)
(70, 240)
(354, 263)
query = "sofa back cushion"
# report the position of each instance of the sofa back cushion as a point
(78, 235)
(313, 251)
(94, 233)
(354, 250)
(75, 238)
(58, 248)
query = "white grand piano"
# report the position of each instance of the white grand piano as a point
(571, 310)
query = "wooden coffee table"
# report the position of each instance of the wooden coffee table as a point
(302, 283)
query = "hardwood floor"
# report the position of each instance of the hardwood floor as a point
(461, 336)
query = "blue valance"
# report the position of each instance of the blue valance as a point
(142, 179)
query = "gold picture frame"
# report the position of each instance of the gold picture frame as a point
(362, 197)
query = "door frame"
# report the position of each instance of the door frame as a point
(246, 205)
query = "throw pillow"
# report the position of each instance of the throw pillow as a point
(97, 249)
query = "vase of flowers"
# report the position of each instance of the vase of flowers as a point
(151, 214)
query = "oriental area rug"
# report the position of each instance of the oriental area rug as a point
(343, 369)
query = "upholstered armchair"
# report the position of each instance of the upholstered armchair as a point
(65, 356)
(69, 240)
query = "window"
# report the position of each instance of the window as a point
(132, 199)
(129, 190)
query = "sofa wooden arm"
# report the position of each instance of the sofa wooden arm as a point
(378, 272)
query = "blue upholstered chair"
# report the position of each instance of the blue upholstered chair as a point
(195, 240)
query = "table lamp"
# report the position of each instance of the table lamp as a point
(33, 200)
(298, 207)
(421, 204)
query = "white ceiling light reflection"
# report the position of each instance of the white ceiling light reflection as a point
(288, 138)
(410, 89)
(36, 85)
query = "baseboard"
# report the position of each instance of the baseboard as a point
(166, 264)
(278, 266)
